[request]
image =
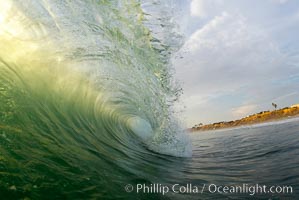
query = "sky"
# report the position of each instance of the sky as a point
(238, 57)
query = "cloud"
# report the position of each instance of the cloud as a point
(232, 56)
(243, 111)
(226, 51)
(280, 1)
(197, 8)
(204, 8)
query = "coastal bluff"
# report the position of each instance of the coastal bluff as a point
(264, 116)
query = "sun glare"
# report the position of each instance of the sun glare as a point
(4, 8)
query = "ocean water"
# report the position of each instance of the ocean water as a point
(264, 154)
(86, 110)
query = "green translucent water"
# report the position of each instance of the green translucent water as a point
(85, 98)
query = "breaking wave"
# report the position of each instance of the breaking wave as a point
(86, 90)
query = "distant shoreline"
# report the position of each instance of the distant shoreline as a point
(261, 117)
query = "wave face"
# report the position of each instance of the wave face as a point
(86, 96)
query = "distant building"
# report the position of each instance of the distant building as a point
(197, 126)
(296, 105)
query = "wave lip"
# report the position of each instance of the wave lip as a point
(84, 55)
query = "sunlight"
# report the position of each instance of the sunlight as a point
(4, 8)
